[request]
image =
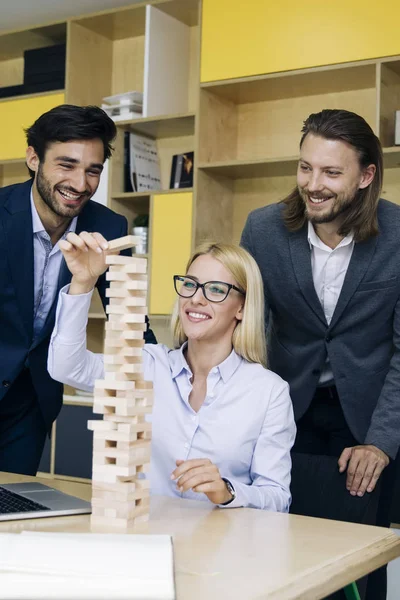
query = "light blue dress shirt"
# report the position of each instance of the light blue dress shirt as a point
(47, 264)
(245, 426)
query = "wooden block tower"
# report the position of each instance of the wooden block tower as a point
(121, 441)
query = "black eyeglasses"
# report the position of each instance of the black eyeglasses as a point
(214, 291)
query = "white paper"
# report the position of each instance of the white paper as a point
(61, 566)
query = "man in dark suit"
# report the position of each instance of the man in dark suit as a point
(67, 148)
(329, 255)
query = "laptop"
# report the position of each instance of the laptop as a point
(33, 500)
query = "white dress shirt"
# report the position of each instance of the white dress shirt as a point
(245, 426)
(46, 267)
(329, 267)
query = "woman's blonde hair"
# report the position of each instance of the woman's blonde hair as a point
(249, 335)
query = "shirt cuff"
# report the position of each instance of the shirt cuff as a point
(238, 501)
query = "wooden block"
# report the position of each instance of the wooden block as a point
(102, 498)
(126, 409)
(122, 359)
(122, 458)
(103, 446)
(123, 349)
(122, 487)
(129, 301)
(124, 294)
(102, 425)
(125, 276)
(117, 524)
(102, 384)
(123, 436)
(133, 318)
(134, 266)
(117, 259)
(134, 282)
(122, 243)
(123, 309)
(111, 472)
(126, 330)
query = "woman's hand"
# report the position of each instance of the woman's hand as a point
(85, 258)
(201, 475)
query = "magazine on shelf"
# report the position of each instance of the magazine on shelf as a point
(144, 163)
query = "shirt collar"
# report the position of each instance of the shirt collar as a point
(38, 225)
(226, 369)
(315, 241)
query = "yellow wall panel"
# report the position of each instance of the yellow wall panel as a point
(17, 114)
(241, 39)
(171, 239)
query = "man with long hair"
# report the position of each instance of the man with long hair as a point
(329, 255)
(67, 147)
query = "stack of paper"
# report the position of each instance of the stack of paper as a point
(64, 566)
(121, 107)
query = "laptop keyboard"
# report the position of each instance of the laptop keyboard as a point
(14, 503)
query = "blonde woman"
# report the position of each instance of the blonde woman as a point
(223, 424)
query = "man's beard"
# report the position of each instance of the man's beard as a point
(47, 193)
(341, 203)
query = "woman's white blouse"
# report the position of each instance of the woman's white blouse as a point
(245, 426)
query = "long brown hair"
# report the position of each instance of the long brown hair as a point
(361, 217)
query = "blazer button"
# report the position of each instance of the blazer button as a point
(6, 383)
(328, 339)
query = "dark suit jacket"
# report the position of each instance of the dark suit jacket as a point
(363, 338)
(17, 348)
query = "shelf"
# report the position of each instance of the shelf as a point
(97, 315)
(35, 95)
(13, 161)
(292, 84)
(139, 195)
(167, 126)
(391, 157)
(80, 400)
(237, 169)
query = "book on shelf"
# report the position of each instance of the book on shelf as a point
(397, 129)
(144, 163)
(182, 171)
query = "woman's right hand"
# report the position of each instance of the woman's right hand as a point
(85, 257)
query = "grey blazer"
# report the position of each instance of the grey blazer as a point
(363, 338)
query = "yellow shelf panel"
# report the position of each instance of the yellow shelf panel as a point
(16, 115)
(258, 37)
(171, 240)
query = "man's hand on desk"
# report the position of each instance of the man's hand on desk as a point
(364, 467)
(85, 258)
(201, 475)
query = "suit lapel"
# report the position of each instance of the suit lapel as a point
(301, 259)
(359, 263)
(19, 240)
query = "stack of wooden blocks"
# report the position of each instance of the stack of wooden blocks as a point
(121, 441)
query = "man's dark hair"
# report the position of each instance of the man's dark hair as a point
(335, 124)
(67, 122)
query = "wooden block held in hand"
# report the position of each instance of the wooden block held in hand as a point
(122, 243)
